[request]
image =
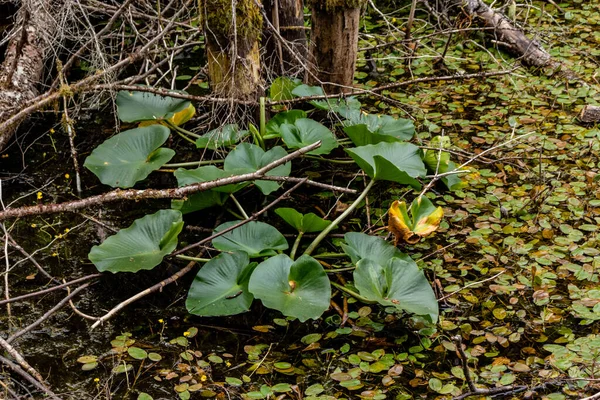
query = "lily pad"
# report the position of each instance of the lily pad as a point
(398, 283)
(247, 158)
(221, 286)
(304, 132)
(396, 162)
(439, 161)
(255, 238)
(424, 219)
(302, 222)
(130, 156)
(286, 117)
(206, 174)
(199, 201)
(360, 245)
(381, 126)
(179, 118)
(299, 289)
(141, 246)
(144, 106)
(225, 136)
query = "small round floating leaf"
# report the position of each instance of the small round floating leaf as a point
(304, 132)
(89, 366)
(154, 357)
(137, 353)
(130, 156)
(122, 368)
(141, 246)
(309, 297)
(87, 359)
(144, 396)
(144, 106)
(233, 381)
(221, 286)
(248, 158)
(255, 238)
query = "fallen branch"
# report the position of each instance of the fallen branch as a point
(49, 290)
(173, 193)
(16, 368)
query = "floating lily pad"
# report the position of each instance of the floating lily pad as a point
(302, 222)
(398, 283)
(141, 246)
(380, 126)
(304, 132)
(225, 136)
(206, 174)
(143, 106)
(424, 219)
(396, 162)
(286, 117)
(130, 156)
(360, 245)
(199, 201)
(248, 158)
(221, 286)
(255, 238)
(299, 289)
(179, 118)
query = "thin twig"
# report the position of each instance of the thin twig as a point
(472, 284)
(50, 290)
(16, 368)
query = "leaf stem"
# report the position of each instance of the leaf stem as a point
(181, 130)
(296, 244)
(263, 117)
(333, 161)
(351, 292)
(334, 270)
(188, 258)
(186, 138)
(339, 219)
(239, 206)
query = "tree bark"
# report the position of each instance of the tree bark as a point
(288, 17)
(21, 70)
(232, 38)
(334, 43)
(514, 40)
(590, 114)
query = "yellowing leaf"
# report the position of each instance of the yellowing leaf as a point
(178, 119)
(424, 219)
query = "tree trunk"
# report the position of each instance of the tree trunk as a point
(287, 16)
(590, 114)
(232, 50)
(514, 40)
(21, 70)
(334, 43)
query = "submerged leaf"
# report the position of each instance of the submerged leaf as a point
(141, 246)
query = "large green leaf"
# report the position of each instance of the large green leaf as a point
(255, 238)
(205, 174)
(299, 289)
(282, 87)
(221, 286)
(302, 222)
(199, 201)
(398, 283)
(141, 246)
(130, 156)
(396, 162)
(227, 135)
(380, 125)
(273, 127)
(247, 158)
(304, 132)
(361, 135)
(360, 245)
(143, 106)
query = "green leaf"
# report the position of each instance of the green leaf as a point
(199, 201)
(141, 246)
(398, 283)
(143, 106)
(221, 286)
(137, 353)
(396, 162)
(255, 238)
(130, 156)
(299, 289)
(424, 219)
(360, 245)
(206, 174)
(281, 88)
(273, 127)
(361, 136)
(248, 158)
(306, 131)
(382, 127)
(144, 396)
(436, 160)
(227, 135)
(303, 223)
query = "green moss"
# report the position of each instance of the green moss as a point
(331, 4)
(218, 18)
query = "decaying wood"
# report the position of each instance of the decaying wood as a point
(21, 71)
(514, 40)
(590, 114)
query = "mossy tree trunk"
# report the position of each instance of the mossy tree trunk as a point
(288, 17)
(232, 47)
(334, 43)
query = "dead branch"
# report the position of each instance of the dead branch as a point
(49, 290)
(20, 360)
(16, 368)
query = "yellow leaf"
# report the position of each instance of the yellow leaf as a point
(410, 230)
(177, 119)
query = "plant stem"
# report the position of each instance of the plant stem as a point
(296, 244)
(239, 206)
(192, 163)
(339, 219)
(263, 117)
(351, 292)
(333, 161)
(181, 130)
(186, 138)
(334, 270)
(188, 258)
